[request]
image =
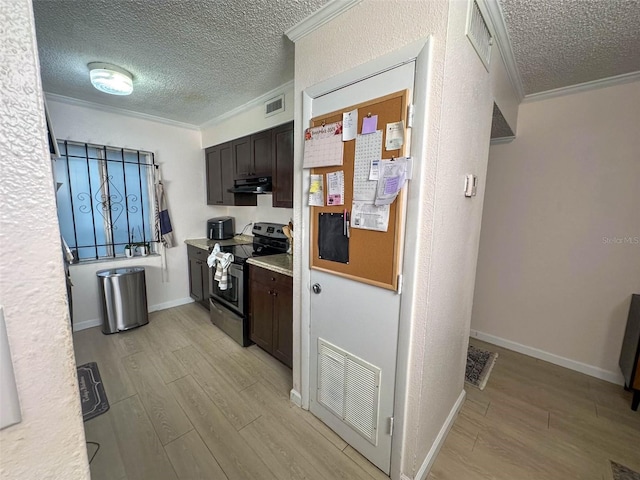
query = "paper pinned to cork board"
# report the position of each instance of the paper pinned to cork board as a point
(394, 136)
(323, 146)
(393, 174)
(367, 216)
(335, 188)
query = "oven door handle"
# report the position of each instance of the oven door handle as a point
(233, 270)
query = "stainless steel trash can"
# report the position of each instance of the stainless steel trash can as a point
(123, 298)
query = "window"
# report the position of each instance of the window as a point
(105, 198)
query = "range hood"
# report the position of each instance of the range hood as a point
(252, 185)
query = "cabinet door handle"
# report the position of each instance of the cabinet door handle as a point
(275, 294)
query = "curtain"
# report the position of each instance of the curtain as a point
(163, 221)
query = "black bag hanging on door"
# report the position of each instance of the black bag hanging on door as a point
(333, 243)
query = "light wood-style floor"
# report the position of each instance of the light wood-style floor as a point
(188, 403)
(535, 420)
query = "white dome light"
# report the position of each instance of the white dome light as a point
(110, 79)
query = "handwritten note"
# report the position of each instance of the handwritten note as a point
(335, 188)
(349, 125)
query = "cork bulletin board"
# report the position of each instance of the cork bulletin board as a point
(373, 256)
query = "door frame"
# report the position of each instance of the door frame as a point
(420, 52)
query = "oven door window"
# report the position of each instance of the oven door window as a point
(230, 294)
(232, 297)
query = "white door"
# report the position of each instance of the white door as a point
(355, 324)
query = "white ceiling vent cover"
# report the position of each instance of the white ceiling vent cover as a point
(273, 106)
(350, 388)
(478, 33)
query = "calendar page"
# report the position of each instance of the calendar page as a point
(368, 148)
(323, 146)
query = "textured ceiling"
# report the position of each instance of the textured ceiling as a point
(192, 60)
(558, 43)
(499, 126)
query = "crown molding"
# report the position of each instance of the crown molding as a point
(504, 45)
(256, 102)
(318, 18)
(54, 97)
(583, 87)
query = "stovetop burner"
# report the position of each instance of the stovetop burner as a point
(240, 252)
(268, 239)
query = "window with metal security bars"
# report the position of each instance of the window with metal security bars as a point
(105, 198)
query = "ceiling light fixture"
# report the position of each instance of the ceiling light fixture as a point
(110, 79)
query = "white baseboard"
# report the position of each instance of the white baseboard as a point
(96, 322)
(83, 325)
(295, 398)
(423, 471)
(593, 371)
(171, 304)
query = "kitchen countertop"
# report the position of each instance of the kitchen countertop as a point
(281, 263)
(206, 244)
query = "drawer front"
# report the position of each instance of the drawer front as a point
(263, 275)
(230, 323)
(198, 253)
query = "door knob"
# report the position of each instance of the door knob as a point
(316, 288)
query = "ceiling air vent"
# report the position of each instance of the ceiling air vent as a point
(478, 33)
(273, 106)
(349, 387)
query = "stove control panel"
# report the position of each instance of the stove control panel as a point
(266, 229)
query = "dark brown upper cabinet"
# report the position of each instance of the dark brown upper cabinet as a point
(282, 158)
(263, 154)
(252, 156)
(219, 171)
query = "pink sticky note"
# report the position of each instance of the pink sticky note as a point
(369, 124)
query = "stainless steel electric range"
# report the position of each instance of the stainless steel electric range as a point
(228, 308)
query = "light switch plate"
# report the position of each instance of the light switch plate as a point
(470, 185)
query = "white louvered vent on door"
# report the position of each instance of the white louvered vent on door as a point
(478, 33)
(349, 387)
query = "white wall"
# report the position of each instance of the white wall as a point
(443, 229)
(555, 272)
(177, 151)
(504, 94)
(250, 119)
(49, 442)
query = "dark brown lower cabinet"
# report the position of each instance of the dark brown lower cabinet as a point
(271, 312)
(198, 275)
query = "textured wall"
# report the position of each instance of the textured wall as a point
(560, 245)
(178, 152)
(49, 442)
(445, 226)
